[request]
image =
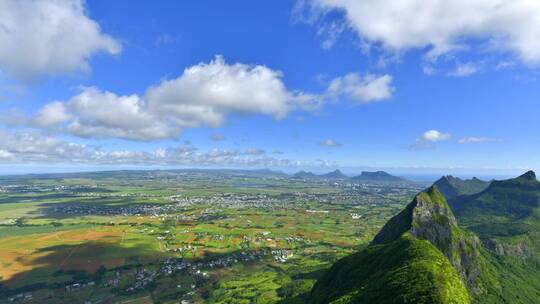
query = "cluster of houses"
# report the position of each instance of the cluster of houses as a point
(200, 269)
(79, 286)
(21, 297)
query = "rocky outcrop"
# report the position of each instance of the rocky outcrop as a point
(515, 250)
(428, 217)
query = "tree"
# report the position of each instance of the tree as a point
(21, 221)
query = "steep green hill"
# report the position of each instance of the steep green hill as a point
(453, 187)
(407, 262)
(406, 270)
(506, 215)
(421, 255)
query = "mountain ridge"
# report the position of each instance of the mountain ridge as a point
(487, 272)
(453, 187)
(428, 223)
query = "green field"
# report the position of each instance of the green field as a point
(208, 238)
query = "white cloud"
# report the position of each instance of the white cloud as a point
(429, 138)
(49, 37)
(5, 154)
(441, 26)
(52, 114)
(34, 147)
(204, 95)
(464, 70)
(331, 143)
(434, 136)
(105, 114)
(475, 140)
(369, 88)
(98, 114)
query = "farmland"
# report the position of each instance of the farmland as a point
(190, 236)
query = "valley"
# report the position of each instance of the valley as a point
(193, 236)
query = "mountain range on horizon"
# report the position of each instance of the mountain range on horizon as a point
(479, 247)
(365, 176)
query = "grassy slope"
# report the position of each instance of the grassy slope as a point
(406, 270)
(397, 267)
(509, 212)
(506, 208)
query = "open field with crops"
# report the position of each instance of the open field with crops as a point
(164, 237)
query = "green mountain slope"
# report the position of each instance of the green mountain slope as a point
(406, 270)
(453, 187)
(420, 254)
(408, 261)
(506, 215)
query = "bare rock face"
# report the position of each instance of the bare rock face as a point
(518, 250)
(432, 221)
(428, 217)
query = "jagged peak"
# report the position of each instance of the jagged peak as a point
(529, 175)
(427, 206)
(428, 217)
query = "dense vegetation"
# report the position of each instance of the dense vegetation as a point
(406, 270)
(500, 265)
(453, 187)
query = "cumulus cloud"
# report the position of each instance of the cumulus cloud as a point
(330, 143)
(31, 146)
(429, 138)
(5, 154)
(476, 140)
(368, 88)
(440, 26)
(49, 37)
(97, 114)
(52, 114)
(435, 136)
(204, 95)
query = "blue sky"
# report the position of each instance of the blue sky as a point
(280, 84)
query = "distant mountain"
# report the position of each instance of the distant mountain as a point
(336, 174)
(304, 175)
(377, 176)
(422, 255)
(453, 187)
